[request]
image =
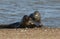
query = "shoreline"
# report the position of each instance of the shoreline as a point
(34, 33)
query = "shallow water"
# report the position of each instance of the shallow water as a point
(13, 10)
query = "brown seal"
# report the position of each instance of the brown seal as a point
(27, 22)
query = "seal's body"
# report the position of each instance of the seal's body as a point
(13, 25)
(31, 21)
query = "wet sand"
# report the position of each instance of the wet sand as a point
(34, 33)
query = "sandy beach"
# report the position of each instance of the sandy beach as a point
(34, 33)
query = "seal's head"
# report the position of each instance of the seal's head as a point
(36, 16)
(36, 13)
(25, 17)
